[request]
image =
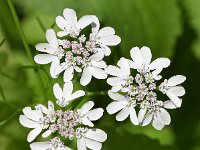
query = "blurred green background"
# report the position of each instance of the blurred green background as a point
(171, 28)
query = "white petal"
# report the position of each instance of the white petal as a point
(94, 145)
(84, 21)
(96, 135)
(61, 22)
(33, 134)
(70, 17)
(57, 91)
(51, 38)
(116, 96)
(124, 65)
(133, 116)
(95, 114)
(106, 31)
(86, 77)
(141, 114)
(147, 119)
(170, 105)
(62, 33)
(45, 47)
(111, 40)
(95, 24)
(159, 63)
(146, 54)
(156, 75)
(78, 69)
(177, 90)
(115, 71)
(99, 64)
(116, 88)
(77, 94)
(81, 144)
(44, 58)
(98, 73)
(176, 80)
(46, 134)
(86, 121)
(116, 106)
(40, 145)
(97, 56)
(27, 122)
(67, 90)
(158, 122)
(106, 50)
(68, 74)
(174, 99)
(115, 81)
(31, 114)
(137, 57)
(42, 108)
(123, 114)
(55, 63)
(86, 107)
(165, 116)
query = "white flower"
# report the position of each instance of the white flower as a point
(88, 115)
(65, 96)
(90, 138)
(53, 50)
(142, 62)
(94, 67)
(125, 105)
(53, 144)
(35, 120)
(69, 23)
(104, 37)
(172, 88)
(157, 114)
(121, 75)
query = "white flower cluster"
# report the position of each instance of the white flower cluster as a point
(76, 52)
(68, 124)
(139, 91)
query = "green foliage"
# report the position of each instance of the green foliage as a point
(171, 28)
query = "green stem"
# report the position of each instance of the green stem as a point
(41, 24)
(2, 123)
(96, 93)
(1, 43)
(25, 43)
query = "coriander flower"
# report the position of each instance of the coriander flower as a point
(65, 124)
(157, 114)
(53, 144)
(53, 50)
(90, 138)
(69, 23)
(172, 88)
(35, 119)
(77, 52)
(104, 37)
(125, 105)
(88, 115)
(138, 91)
(142, 62)
(65, 96)
(121, 75)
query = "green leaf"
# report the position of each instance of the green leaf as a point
(193, 17)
